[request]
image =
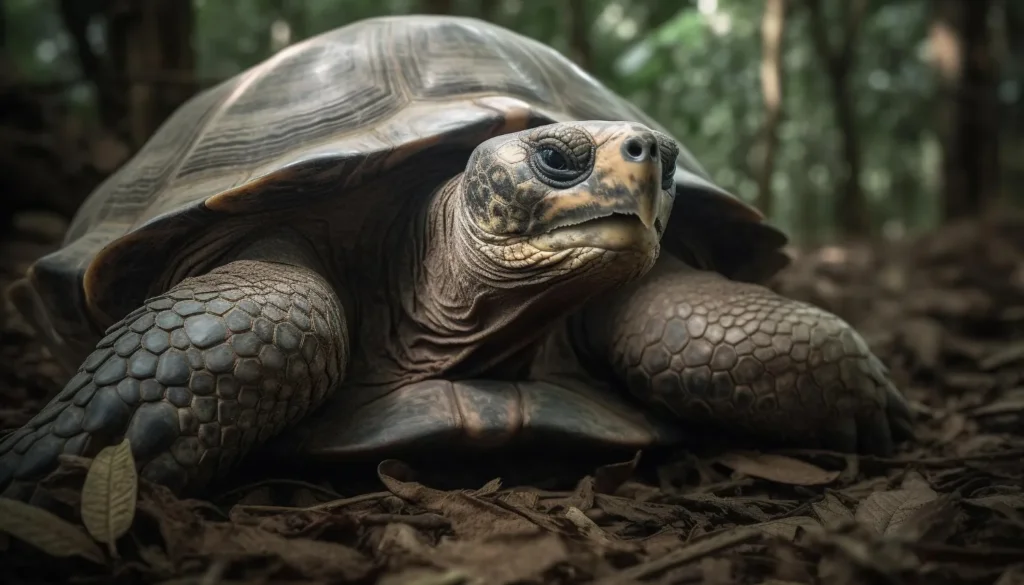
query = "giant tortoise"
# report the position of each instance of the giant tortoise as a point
(425, 233)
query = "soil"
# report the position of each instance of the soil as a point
(945, 312)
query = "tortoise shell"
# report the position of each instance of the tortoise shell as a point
(317, 120)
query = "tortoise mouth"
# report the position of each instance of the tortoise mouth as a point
(612, 231)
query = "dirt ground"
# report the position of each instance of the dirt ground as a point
(946, 312)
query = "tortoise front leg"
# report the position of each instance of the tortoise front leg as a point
(195, 377)
(739, 356)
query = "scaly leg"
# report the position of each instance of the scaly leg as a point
(742, 358)
(194, 378)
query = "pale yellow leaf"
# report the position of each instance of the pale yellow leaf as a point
(109, 493)
(46, 531)
(777, 468)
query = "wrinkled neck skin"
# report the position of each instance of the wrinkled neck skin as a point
(464, 312)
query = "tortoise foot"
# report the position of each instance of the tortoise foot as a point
(740, 357)
(194, 378)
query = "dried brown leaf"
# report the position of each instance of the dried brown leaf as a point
(401, 541)
(608, 478)
(489, 488)
(831, 511)
(1012, 576)
(787, 528)
(521, 499)
(454, 577)
(109, 494)
(306, 523)
(1012, 402)
(935, 521)
(592, 531)
(311, 558)
(1010, 354)
(693, 550)
(777, 468)
(180, 522)
(642, 513)
(503, 558)
(885, 512)
(998, 502)
(46, 531)
(583, 496)
(471, 516)
(747, 509)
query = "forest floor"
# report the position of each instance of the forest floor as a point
(945, 312)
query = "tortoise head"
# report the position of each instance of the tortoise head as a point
(571, 197)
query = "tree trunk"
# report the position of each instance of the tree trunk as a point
(156, 36)
(962, 51)
(440, 6)
(579, 38)
(489, 10)
(851, 208)
(77, 16)
(148, 68)
(773, 22)
(3, 27)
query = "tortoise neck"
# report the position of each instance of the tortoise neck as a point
(473, 318)
(444, 281)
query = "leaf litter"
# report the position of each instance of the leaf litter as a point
(948, 508)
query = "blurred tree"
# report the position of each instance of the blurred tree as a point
(854, 153)
(152, 38)
(78, 17)
(141, 69)
(438, 6)
(839, 61)
(3, 27)
(576, 13)
(772, 26)
(963, 53)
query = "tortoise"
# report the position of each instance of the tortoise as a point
(425, 233)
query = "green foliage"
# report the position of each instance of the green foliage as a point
(694, 66)
(35, 40)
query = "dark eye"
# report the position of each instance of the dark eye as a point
(553, 159)
(555, 165)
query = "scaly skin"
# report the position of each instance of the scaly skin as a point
(195, 378)
(734, 355)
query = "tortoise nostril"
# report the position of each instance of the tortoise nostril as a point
(637, 149)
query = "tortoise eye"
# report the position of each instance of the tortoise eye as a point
(554, 165)
(553, 159)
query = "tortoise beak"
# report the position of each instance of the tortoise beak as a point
(648, 206)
